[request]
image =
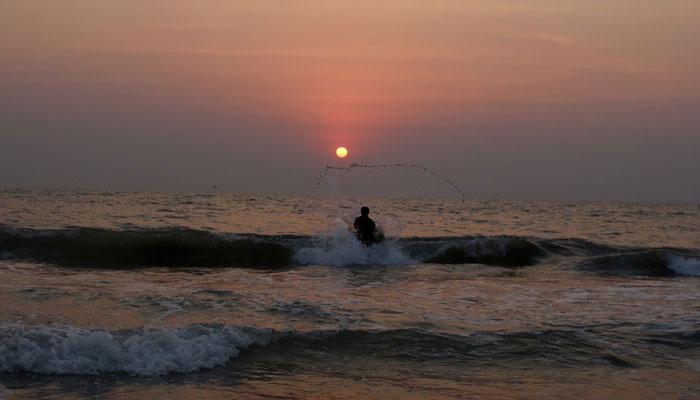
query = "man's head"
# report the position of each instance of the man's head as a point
(364, 210)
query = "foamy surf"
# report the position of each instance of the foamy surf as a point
(342, 249)
(162, 351)
(174, 247)
(144, 352)
(687, 266)
(548, 297)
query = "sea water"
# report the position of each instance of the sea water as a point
(181, 296)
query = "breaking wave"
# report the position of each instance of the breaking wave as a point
(90, 247)
(682, 265)
(149, 352)
(138, 248)
(342, 249)
(162, 351)
(503, 250)
(187, 247)
(654, 262)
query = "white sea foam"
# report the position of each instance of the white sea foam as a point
(341, 248)
(684, 266)
(147, 351)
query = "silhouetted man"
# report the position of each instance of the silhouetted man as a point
(365, 227)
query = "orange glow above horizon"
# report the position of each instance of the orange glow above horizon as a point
(361, 67)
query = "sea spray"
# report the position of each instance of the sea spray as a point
(340, 247)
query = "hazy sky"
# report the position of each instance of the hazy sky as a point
(515, 99)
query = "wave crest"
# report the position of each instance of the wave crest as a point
(148, 352)
(192, 248)
(163, 351)
(174, 247)
(654, 262)
(504, 251)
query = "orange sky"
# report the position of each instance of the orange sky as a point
(368, 74)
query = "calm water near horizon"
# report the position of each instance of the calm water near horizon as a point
(179, 296)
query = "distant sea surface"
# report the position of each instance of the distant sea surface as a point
(218, 296)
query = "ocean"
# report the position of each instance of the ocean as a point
(219, 296)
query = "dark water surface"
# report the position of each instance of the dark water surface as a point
(130, 296)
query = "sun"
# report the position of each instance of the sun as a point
(341, 152)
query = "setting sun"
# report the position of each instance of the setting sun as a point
(341, 152)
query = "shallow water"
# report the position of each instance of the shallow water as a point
(119, 295)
